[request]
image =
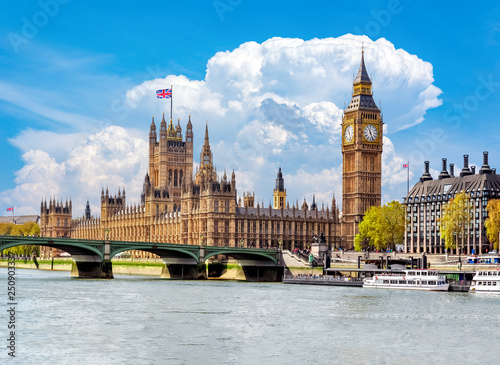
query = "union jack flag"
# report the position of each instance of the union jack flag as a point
(164, 94)
(406, 165)
(11, 209)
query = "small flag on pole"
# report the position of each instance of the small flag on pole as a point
(405, 166)
(11, 209)
(164, 94)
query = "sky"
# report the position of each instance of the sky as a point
(270, 79)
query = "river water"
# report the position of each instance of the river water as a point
(141, 320)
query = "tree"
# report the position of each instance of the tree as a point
(25, 229)
(492, 223)
(6, 228)
(456, 216)
(382, 227)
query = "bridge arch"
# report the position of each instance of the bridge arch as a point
(239, 254)
(163, 252)
(74, 247)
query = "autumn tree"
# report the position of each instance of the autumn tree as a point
(456, 216)
(25, 229)
(382, 227)
(492, 223)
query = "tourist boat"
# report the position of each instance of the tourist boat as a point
(408, 279)
(486, 281)
(488, 259)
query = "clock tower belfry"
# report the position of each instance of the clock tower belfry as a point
(361, 156)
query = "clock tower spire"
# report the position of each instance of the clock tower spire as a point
(361, 155)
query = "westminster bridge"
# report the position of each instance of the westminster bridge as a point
(92, 258)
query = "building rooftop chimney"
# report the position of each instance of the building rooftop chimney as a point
(466, 171)
(452, 170)
(485, 169)
(444, 173)
(473, 168)
(426, 176)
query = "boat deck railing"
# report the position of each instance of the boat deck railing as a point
(325, 278)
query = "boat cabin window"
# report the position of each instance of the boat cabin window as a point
(424, 282)
(424, 273)
(402, 282)
(411, 273)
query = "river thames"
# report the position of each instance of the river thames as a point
(142, 320)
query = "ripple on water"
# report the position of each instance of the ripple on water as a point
(146, 320)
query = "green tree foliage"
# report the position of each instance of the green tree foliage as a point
(26, 229)
(493, 222)
(382, 227)
(456, 216)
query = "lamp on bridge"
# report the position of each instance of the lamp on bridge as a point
(107, 230)
(202, 236)
(242, 241)
(280, 243)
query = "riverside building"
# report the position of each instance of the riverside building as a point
(425, 200)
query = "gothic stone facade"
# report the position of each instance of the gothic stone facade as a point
(175, 208)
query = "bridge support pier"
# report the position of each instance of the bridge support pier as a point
(92, 269)
(183, 271)
(263, 273)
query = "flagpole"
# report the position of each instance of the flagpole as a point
(408, 179)
(171, 100)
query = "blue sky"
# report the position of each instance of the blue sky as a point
(78, 79)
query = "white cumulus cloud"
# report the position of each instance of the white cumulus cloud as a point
(111, 157)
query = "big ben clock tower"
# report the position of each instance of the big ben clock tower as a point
(361, 155)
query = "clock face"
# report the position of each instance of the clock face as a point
(349, 133)
(370, 133)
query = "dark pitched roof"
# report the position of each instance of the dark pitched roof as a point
(20, 219)
(362, 76)
(362, 102)
(440, 189)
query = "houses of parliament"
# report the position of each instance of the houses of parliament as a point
(179, 205)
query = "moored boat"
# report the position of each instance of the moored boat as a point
(486, 281)
(408, 279)
(488, 259)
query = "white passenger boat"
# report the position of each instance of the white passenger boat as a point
(408, 279)
(488, 259)
(486, 281)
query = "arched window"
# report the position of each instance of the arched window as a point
(175, 177)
